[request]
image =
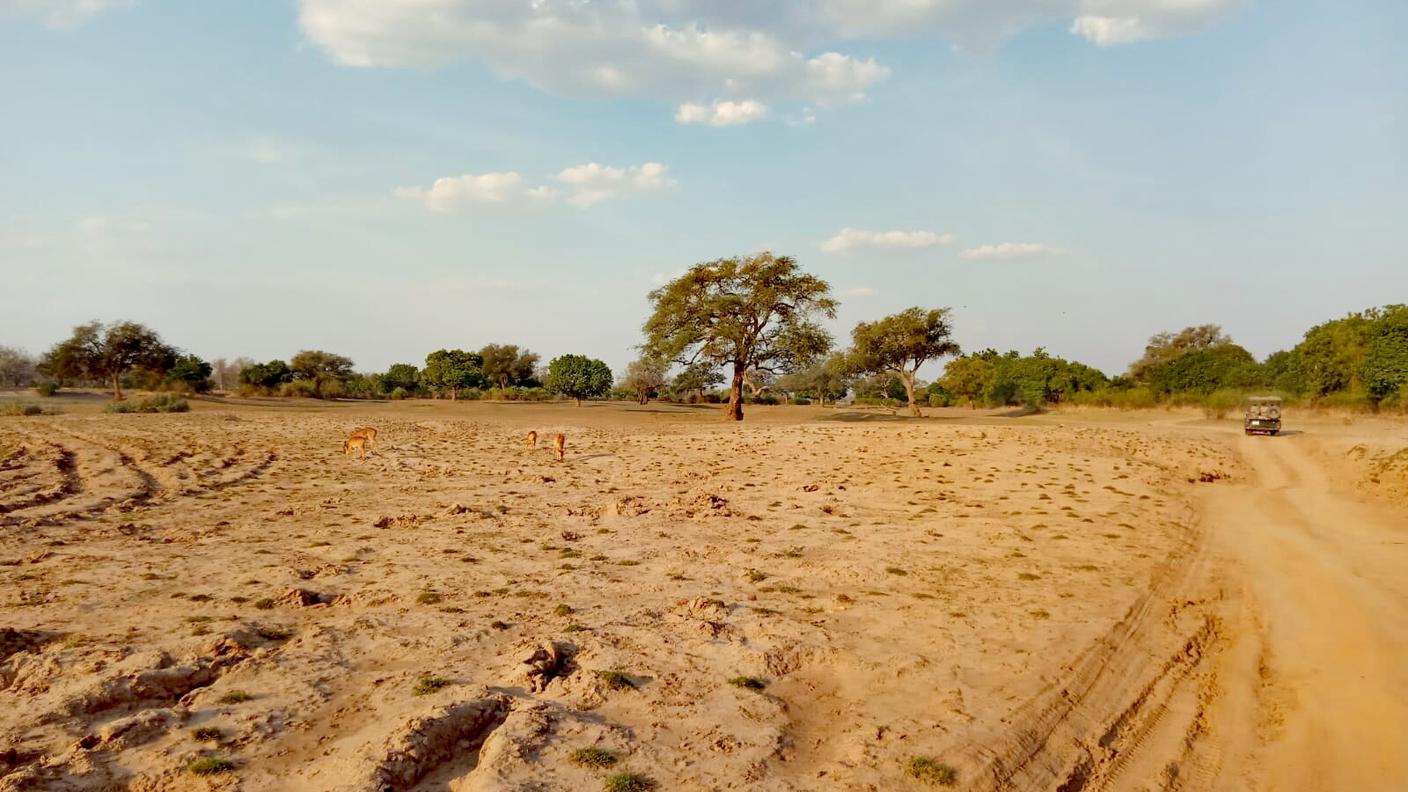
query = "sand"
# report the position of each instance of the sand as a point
(811, 600)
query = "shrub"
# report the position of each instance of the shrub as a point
(801, 402)
(210, 765)
(592, 757)
(299, 389)
(628, 782)
(47, 389)
(160, 403)
(1218, 404)
(24, 408)
(930, 771)
(398, 393)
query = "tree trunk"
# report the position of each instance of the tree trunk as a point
(117, 386)
(908, 380)
(579, 402)
(454, 393)
(735, 394)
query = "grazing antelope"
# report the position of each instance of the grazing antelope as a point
(560, 443)
(369, 433)
(532, 439)
(358, 442)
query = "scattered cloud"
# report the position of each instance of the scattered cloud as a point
(593, 183)
(1007, 250)
(689, 52)
(59, 14)
(580, 185)
(855, 238)
(722, 113)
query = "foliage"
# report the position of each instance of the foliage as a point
(753, 312)
(506, 365)
(47, 389)
(1385, 367)
(106, 352)
(1207, 370)
(17, 369)
(190, 373)
(969, 378)
(694, 379)
(578, 377)
(644, 378)
(20, 408)
(822, 380)
(328, 372)
(449, 370)
(1164, 348)
(160, 403)
(404, 376)
(266, 375)
(900, 344)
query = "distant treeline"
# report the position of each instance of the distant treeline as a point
(1357, 362)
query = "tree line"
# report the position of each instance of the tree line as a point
(753, 325)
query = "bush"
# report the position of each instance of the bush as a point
(1218, 404)
(299, 389)
(762, 398)
(23, 408)
(47, 389)
(801, 401)
(514, 393)
(399, 393)
(161, 403)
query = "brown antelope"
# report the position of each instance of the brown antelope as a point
(560, 443)
(357, 441)
(367, 432)
(532, 441)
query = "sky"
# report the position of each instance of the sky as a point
(383, 178)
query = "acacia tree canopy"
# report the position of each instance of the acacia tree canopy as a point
(452, 369)
(901, 343)
(505, 364)
(644, 377)
(750, 312)
(106, 352)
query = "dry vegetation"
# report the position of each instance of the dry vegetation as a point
(221, 598)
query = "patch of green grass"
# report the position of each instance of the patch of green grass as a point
(429, 597)
(593, 757)
(207, 734)
(894, 570)
(563, 610)
(210, 765)
(748, 682)
(629, 782)
(615, 680)
(574, 628)
(930, 771)
(235, 697)
(427, 684)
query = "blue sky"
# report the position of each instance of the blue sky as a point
(259, 178)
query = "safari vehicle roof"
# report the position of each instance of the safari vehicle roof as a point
(1263, 399)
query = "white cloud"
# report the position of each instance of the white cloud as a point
(59, 14)
(583, 185)
(722, 113)
(687, 52)
(858, 291)
(854, 238)
(1007, 250)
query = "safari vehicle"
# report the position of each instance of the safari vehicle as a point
(1263, 415)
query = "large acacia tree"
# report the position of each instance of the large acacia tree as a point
(107, 352)
(900, 343)
(742, 313)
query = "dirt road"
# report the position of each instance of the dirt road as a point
(1318, 613)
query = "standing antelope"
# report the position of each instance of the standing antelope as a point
(560, 443)
(532, 441)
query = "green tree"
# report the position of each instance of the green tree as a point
(328, 372)
(968, 377)
(578, 377)
(1207, 370)
(452, 369)
(266, 375)
(401, 375)
(752, 312)
(900, 343)
(1165, 348)
(695, 379)
(644, 378)
(190, 372)
(107, 352)
(1385, 367)
(506, 365)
